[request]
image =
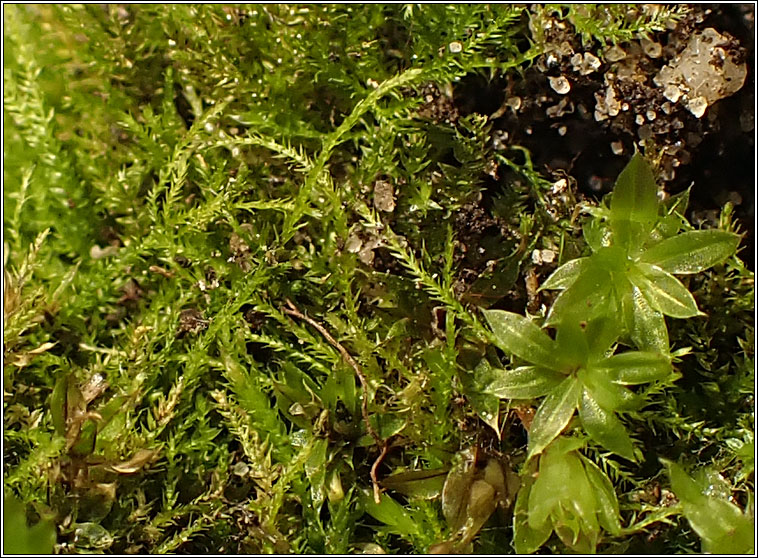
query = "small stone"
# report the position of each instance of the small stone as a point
(595, 183)
(548, 256)
(366, 253)
(650, 115)
(697, 106)
(586, 64)
(562, 131)
(92, 536)
(615, 53)
(617, 147)
(241, 469)
(606, 104)
(353, 243)
(514, 103)
(366, 256)
(384, 196)
(668, 174)
(191, 321)
(591, 63)
(639, 119)
(560, 84)
(455, 47)
(564, 107)
(371, 548)
(559, 186)
(500, 140)
(645, 132)
(651, 48)
(672, 92)
(705, 71)
(565, 48)
(613, 104)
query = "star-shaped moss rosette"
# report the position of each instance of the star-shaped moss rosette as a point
(722, 526)
(567, 494)
(637, 249)
(576, 370)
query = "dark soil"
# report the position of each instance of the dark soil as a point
(714, 153)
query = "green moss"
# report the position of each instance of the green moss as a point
(208, 207)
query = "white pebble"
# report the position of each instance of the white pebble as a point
(560, 84)
(455, 47)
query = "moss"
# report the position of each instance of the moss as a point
(255, 242)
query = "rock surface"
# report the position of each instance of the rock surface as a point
(708, 69)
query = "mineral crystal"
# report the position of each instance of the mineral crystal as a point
(704, 72)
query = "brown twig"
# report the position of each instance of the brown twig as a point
(374, 467)
(293, 311)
